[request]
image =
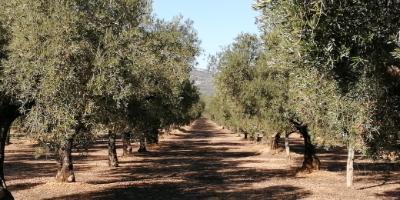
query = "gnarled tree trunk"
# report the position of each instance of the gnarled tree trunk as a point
(311, 161)
(142, 143)
(8, 113)
(4, 127)
(152, 137)
(112, 150)
(65, 171)
(275, 141)
(126, 143)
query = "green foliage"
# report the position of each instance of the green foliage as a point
(50, 64)
(5, 99)
(92, 65)
(170, 95)
(235, 100)
(350, 45)
(331, 66)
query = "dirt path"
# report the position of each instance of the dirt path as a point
(198, 162)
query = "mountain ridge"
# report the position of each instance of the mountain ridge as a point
(204, 80)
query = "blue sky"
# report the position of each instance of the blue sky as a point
(217, 22)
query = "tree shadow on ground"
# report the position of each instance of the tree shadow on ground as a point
(174, 191)
(192, 166)
(22, 186)
(395, 194)
(335, 160)
(26, 170)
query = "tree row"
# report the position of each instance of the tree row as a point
(328, 70)
(71, 69)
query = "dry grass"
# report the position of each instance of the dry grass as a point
(198, 162)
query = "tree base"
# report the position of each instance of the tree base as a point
(142, 150)
(125, 154)
(310, 165)
(112, 150)
(65, 177)
(5, 194)
(126, 144)
(129, 150)
(113, 164)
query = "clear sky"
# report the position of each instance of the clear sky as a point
(217, 22)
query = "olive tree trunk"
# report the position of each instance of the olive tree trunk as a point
(287, 145)
(4, 128)
(8, 114)
(112, 150)
(8, 137)
(126, 143)
(311, 161)
(350, 168)
(142, 143)
(275, 141)
(65, 171)
(152, 137)
(260, 137)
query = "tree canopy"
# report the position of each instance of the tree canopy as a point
(76, 67)
(325, 68)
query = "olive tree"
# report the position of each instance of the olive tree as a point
(56, 52)
(354, 42)
(49, 64)
(173, 46)
(119, 65)
(9, 106)
(342, 53)
(236, 65)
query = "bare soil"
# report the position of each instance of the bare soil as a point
(202, 161)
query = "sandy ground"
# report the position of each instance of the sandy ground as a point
(203, 161)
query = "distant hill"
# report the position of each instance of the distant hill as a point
(204, 81)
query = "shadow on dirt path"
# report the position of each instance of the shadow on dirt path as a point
(202, 162)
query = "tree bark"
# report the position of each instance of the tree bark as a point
(275, 141)
(4, 127)
(287, 145)
(8, 137)
(311, 161)
(260, 137)
(112, 150)
(350, 169)
(65, 171)
(152, 136)
(126, 144)
(142, 142)
(8, 113)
